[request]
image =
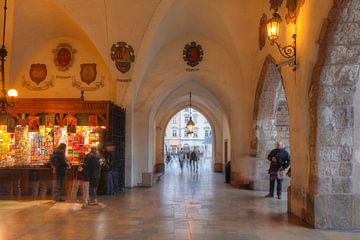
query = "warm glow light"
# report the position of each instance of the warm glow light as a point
(190, 126)
(273, 27)
(12, 93)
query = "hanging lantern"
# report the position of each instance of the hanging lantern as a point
(273, 27)
(190, 125)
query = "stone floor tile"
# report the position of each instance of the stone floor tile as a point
(180, 206)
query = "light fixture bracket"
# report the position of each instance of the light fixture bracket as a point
(288, 51)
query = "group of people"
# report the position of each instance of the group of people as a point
(190, 158)
(87, 175)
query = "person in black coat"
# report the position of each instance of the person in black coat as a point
(279, 160)
(92, 169)
(59, 165)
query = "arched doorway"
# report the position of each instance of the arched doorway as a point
(178, 144)
(270, 123)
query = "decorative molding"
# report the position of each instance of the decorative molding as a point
(192, 69)
(123, 55)
(40, 87)
(125, 80)
(293, 7)
(193, 54)
(64, 56)
(62, 77)
(88, 72)
(92, 87)
(275, 5)
(262, 31)
(38, 72)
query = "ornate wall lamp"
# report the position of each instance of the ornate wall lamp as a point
(273, 32)
(190, 125)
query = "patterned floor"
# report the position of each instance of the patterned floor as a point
(184, 204)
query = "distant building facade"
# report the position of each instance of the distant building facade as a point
(176, 136)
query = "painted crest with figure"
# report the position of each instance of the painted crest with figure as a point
(123, 55)
(64, 56)
(193, 54)
(38, 73)
(88, 72)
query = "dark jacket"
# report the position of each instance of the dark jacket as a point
(92, 167)
(193, 156)
(58, 161)
(282, 160)
(109, 161)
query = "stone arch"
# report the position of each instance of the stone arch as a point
(333, 200)
(165, 119)
(270, 121)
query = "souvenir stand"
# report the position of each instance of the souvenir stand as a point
(34, 127)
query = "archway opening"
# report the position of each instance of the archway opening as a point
(188, 152)
(270, 124)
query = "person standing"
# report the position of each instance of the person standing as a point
(279, 160)
(193, 160)
(92, 163)
(82, 180)
(108, 169)
(181, 157)
(59, 164)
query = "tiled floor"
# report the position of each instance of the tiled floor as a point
(184, 205)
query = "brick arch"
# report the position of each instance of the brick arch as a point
(270, 120)
(331, 200)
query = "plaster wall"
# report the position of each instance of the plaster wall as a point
(52, 27)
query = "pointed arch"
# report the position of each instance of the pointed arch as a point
(270, 121)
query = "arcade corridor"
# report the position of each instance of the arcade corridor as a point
(181, 206)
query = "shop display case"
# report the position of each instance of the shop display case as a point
(41, 125)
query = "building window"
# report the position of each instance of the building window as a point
(195, 134)
(174, 120)
(185, 133)
(207, 132)
(186, 118)
(174, 132)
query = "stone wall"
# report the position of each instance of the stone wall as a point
(332, 203)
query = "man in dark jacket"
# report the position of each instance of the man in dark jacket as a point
(59, 165)
(279, 160)
(194, 160)
(109, 171)
(92, 163)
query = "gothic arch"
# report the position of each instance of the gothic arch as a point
(270, 120)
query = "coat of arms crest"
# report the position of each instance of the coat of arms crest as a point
(193, 54)
(64, 56)
(38, 73)
(123, 55)
(88, 72)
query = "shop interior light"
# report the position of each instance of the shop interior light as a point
(12, 92)
(4, 101)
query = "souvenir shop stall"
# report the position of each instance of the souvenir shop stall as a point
(31, 131)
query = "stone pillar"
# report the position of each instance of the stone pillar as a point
(331, 202)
